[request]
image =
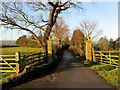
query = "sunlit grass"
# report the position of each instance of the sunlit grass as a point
(108, 73)
(22, 50)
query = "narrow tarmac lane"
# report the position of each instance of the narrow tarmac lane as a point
(69, 74)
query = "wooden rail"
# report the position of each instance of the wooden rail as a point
(31, 59)
(107, 57)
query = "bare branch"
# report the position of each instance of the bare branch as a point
(16, 16)
(61, 5)
(49, 2)
(89, 28)
(42, 9)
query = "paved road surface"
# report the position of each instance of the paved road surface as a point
(69, 74)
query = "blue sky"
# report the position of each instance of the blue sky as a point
(105, 13)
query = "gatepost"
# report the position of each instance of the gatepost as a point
(89, 50)
(49, 49)
(17, 61)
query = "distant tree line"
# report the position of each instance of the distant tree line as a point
(25, 41)
(104, 44)
(59, 36)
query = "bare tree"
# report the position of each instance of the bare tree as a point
(34, 17)
(89, 28)
(60, 32)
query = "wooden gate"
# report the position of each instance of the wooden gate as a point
(9, 63)
(107, 57)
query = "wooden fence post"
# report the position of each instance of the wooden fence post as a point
(17, 60)
(110, 58)
(93, 54)
(24, 63)
(39, 58)
(43, 55)
(101, 58)
(32, 59)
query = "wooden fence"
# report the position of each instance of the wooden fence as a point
(32, 59)
(107, 57)
(15, 63)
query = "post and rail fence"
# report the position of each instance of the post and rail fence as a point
(15, 63)
(104, 57)
(32, 59)
(107, 57)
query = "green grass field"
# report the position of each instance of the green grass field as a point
(22, 50)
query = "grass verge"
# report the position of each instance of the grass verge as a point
(110, 74)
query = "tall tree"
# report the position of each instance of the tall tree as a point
(66, 41)
(78, 38)
(111, 44)
(117, 43)
(78, 41)
(89, 28)
(41, 16)
(60, 32)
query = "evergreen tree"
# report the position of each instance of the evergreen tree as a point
(103, 44)
(111, 44)
(78, 42)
